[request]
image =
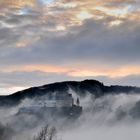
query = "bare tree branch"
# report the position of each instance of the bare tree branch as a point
(47, 133)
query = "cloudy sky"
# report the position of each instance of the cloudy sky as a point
(44, 41)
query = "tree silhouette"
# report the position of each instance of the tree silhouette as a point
(47, 133)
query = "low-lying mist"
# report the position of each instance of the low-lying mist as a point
(109, 117)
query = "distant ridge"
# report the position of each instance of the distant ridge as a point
(80, 87)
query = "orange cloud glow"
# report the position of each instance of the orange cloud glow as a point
(75, 12)
(39, 67)
(78, 71)
(111, 72)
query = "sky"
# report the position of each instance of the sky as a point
(45, 41)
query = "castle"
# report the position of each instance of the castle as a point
(55, 102)
(62, 100)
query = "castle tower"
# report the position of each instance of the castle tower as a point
(78, 102)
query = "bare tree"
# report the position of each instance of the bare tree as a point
(52, 134)
(47, 133)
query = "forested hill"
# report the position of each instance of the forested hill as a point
(81, 88)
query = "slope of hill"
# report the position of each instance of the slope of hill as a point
(81, 88)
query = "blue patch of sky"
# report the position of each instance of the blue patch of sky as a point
(45, 2)
(25, 10)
